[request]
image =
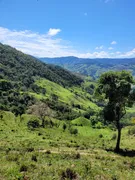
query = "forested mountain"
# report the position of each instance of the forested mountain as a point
(92, 67)
(24, 80)
(17, 66)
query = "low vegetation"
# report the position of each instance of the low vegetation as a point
(58, 125)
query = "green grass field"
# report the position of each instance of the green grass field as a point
(71, 95)
(52, 153)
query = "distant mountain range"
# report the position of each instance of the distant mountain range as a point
(92, 67)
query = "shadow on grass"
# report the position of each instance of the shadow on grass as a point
(123, 152)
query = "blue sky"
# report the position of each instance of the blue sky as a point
(82, 28)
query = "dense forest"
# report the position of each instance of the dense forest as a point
(18, 73)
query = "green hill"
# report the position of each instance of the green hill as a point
(24, 80)
(17, 66)
(47, 115)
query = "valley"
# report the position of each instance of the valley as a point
(52, 125)
(93, 67)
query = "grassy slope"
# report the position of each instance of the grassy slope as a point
(16, 142)
(71, 95)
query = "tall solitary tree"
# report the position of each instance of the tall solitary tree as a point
(116, 89)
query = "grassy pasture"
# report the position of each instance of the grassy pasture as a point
(52, 153)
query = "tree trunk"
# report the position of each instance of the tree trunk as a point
(117, 148)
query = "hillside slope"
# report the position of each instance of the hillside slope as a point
(92, 67)
(24, 80)
(17, 66)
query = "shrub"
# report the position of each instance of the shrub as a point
(39, 134)
(68, 174)
(98, 125)
(64, 127)
(34, 158)
(33, 124)
(30, 149)
(77, 156)
(100, 135)
(48, 152)
(74, 131)
(93, 120)
(114, 136)
(131, 131)
(23, 168)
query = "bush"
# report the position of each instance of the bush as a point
(23, 168)
(100, 135)
(74, 131)
(114, 136)
(77, 156)
(34, 158)
(64, 127)
(30, 149)
(48, 152)
(131, 131)
(33, 124)
(68, 174)
(93, 120)
(98, 125)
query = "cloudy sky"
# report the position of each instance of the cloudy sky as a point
(82, 28)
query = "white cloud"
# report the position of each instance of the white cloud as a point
(101, 54)
(129, 53)
(42, 45)
(118, 52)
(113, 42)
(99, 48)
(110, 48)
(53, 32)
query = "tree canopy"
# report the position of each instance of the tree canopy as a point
(116, 89)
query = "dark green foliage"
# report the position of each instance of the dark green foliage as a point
(33, 124)
(5, 85)
(15, 101)
(63, 110)
(17, 66)
(68, 174)
(115, 87)
(74, 131)
(38, 89)
(64, 126)
(100, 135)
(34, 158)
(54, 97)
(18, 73)
(90, 112)
(30, 149)
(94, 120)
(23, 168)
(77, 156)
(114, 136)
(48, 152)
